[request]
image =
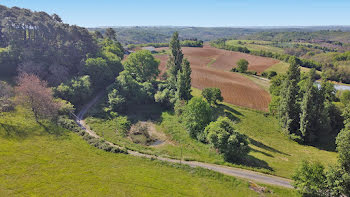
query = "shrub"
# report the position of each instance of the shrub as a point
(269, 74)
(242, 65)
(212, 95)
(345, 97)
(123, 124)
(197, 116)
(179, 107)
(232, 144)
(310, 179)
(251, 72)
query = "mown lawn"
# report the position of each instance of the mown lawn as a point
(272, 151)
(56, 162)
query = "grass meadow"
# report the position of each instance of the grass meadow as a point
(55, 162)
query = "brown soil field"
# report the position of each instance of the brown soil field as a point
(236, 89)
(224, 60)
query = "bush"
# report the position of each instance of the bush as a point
(251, 72)
(179, 107)
(269, 74)
(197, 116)
(212, 95)
(232, 144)
(242, 65)
(310, 179)
(123, 124)
(345, 97)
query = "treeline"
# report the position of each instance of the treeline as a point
(335, 37)
(35, 42)
(306, 112)
(185, 43)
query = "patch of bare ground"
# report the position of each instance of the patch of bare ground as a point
(145, 133)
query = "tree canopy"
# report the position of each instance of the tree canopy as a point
(142, 65)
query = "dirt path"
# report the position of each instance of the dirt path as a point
(236, 172)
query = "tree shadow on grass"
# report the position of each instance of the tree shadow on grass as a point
(266, 154)
(12, 131)
(145, 112)
(268, 148)
(254, 162)
(227, 108)
(223, 110)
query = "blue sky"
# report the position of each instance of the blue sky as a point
(209, 13)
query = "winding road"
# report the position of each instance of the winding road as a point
(236, 172)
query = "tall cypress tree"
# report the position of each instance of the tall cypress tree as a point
(175, 59)
(309, 109)
(289, 108)
(183, 85)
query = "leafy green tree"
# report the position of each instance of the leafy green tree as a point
(183, 86)
(289, 108)
(197, 115)
(343, 147)
(345, 97)
(165, 96)
(242, 65)
(126, 91)
(76, 91)
(232, 144)
(310, 179)
(142, 65)
(338, 181)
(116, 101)
(212, 95)
(110, 48)
(99, 71)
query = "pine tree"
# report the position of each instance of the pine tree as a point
(183, 85)
(289, 108)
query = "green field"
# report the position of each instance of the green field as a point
(273, 152)
(56, 162)
(282, 68)
(257, 46)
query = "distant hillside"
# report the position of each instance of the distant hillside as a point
(141, 35)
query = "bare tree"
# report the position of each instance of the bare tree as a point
(34, 94)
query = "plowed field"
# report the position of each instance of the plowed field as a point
(210, 68)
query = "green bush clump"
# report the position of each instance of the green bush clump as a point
(232, 144)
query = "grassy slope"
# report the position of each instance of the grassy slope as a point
(272, 151)
(35, 163)
(255, 47)
(282, 67)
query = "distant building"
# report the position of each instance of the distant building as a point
(151, 49)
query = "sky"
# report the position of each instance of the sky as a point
(205, 13)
